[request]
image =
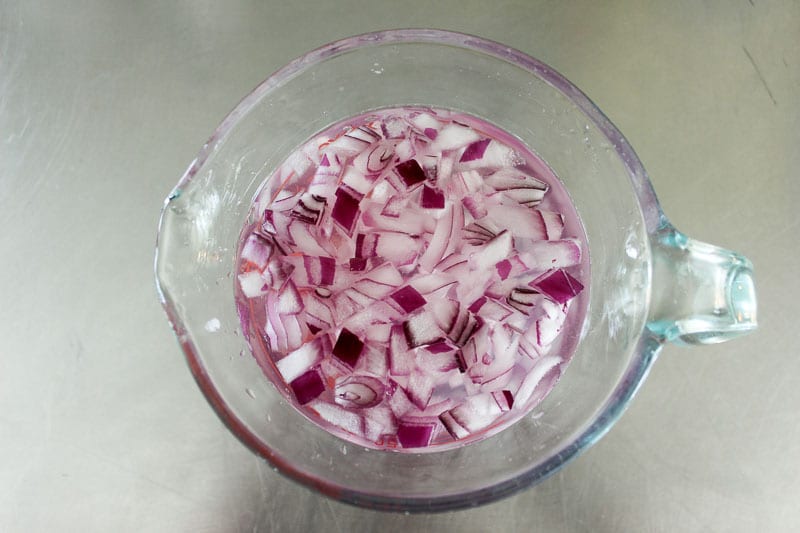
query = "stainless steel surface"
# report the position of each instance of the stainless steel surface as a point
(102, 106)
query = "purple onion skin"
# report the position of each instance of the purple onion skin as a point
(409, 299)
(307, 387)
(475, 150)
(348, 348)
(412, 435)
(410, 172)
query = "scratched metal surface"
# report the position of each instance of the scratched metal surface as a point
(103, 104)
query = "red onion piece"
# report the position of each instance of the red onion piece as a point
(414, 434)
(358, 182)
(301, 360)
(393, 207)
(345, 210)
(524, 299)
(526, 223)
(375, 158)
(397, 248)
(456, 430)
(358, 392)
(531, 381)
(432, 198)
(454, 136)
(491, 156)
(401, 359)
(289, 301)
(494, 251)
(408, 299)
(252, 284)
(475, 150)
(256, 250)
(558, 285)
(410, 172)
(307, 386)
(476, 413)
(439, 347)
(394, 128)
(358, 264)
(348, 348)
(444, 312)
(379, 421)
(441, 239)
(545, 255)
(504, 399)
(340, 417)
(420, 389)
(374, 359)
(421, 330)
(423, 121)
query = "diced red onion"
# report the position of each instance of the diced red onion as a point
(440, 347)
(475, 208)
(358, 392)
(301, 360)
(399, 402)
(375, 158)
(401, 361)
(475, 150)
(358, 182)
(476, 413)
(411, 172)
(256, 250)
(307, 386)
(393, 207)
(340, 417)
(524, 299)
(493, 155)
(527, 223)
(345, 210)
(348, 348)
(432, 198)
(358, 264)
(494, 251)
(456, 430)
(252, 284)
(420, 330)
(398, 248)
(544, 255)
(420, 388)
(413, 434)
(504, 399)
(289, 301)
(425, 121)
(374, 359)
(558, 285)
(549, 325)
(534, 377)
(408, 299)
(454, 136)
(441, 239)
(369, 244)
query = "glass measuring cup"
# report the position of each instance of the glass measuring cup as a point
(650, 284)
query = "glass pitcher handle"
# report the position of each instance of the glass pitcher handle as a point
(702, 294)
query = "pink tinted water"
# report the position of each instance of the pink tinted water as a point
(381, 369)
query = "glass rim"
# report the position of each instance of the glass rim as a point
(644, 354)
